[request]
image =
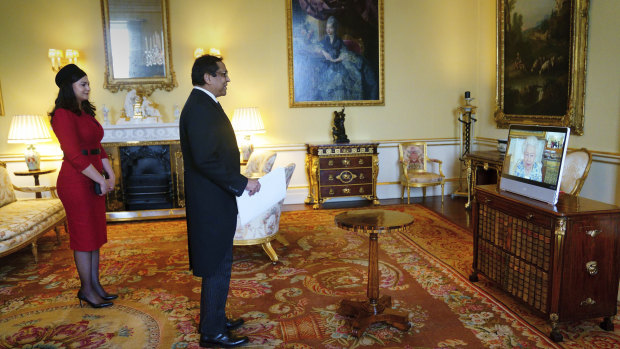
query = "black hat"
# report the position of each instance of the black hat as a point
(70, 73)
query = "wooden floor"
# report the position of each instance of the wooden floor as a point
(453, 208)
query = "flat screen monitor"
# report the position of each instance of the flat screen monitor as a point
(534, 161)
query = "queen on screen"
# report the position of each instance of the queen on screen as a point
(530, 166)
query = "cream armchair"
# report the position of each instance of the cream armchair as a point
(259, 164)
(264, 228)
(576, 168)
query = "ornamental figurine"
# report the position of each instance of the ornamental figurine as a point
(338, 132)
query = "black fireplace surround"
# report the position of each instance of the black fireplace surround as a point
(149, 177)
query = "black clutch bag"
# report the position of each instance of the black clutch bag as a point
(98, 186)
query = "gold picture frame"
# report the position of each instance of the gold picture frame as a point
(341, 69)
(1, 103)
(541, 63)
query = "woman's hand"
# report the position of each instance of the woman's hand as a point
(110, 183)
(327, 56)
(109, 174)
(103, 185)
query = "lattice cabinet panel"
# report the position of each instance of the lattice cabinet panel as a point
(562, 261)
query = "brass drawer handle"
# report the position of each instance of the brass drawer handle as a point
(361, 190)
(592, 268)
(330, 162)
(346, 176)
(330, 178)
(593, 232)
(529, 216)
(362, 176)
(346, 162)
(346, 190)
(487, 201)
(360, 162)
(331, 191)
(588, 301)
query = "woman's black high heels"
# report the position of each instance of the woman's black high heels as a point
(109, 296)
(81, 297)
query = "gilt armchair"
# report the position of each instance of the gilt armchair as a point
(416, 170)
(264, 228)
(576, 168)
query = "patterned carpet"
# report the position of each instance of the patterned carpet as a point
(290, 305)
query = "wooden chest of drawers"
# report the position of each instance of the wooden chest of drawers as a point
(340, 170)
(562, 261)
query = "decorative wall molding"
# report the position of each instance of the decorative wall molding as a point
(603, 174)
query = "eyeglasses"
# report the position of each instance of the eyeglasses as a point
(222, 73)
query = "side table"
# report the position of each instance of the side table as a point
(479, 165)
(35, 174)
(375, 309)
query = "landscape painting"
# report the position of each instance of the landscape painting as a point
(541, 66)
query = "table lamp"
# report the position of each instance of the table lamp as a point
(246, 122)
(29, 129)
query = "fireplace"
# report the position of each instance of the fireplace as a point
(146, 176)
(149, 180)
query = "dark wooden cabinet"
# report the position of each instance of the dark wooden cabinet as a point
(562, 260)
(341, 170)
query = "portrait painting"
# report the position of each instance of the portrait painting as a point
(335, 52)
(541, 62)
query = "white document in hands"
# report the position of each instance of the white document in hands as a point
(272, 190)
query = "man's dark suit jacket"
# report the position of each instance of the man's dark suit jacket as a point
(212, 180)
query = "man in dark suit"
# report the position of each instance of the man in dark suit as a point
(212, 180)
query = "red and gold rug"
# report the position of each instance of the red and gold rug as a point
(290, 305)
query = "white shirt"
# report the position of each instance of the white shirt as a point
(208, 93)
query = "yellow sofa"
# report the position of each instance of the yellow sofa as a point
(23, 221)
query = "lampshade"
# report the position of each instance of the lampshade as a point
(28, 129)
(247, 121)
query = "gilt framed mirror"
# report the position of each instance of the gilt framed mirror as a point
(137, 46)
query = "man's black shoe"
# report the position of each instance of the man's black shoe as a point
(225, 340)
(233, 324)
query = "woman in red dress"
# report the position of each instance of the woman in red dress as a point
(79, 133)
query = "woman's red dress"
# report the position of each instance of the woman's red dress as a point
(86, 218)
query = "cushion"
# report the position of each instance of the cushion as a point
(7, 195)
(262, 226)
(260, 163)
(574, 166)
(21, 238)
(414, 157)
(423, 177)
(24, 215)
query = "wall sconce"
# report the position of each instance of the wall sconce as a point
(59, 59)
(212, 51)
(246, 122)
(29, 129)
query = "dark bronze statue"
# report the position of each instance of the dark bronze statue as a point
(338, 133)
